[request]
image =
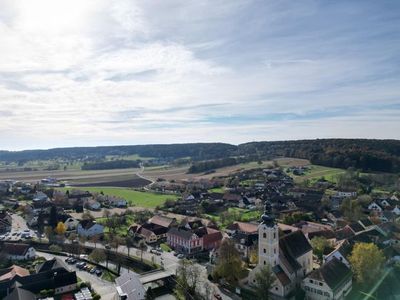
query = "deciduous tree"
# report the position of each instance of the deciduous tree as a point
(264, 280)
(229, 264)
(366, 260)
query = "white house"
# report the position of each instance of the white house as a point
(71, 224)
(16, 251)
(345, 194)
(332, 281)
(341, 252)
(119, 203)
(375, 207)
(89, 228)
(40, 197)
(129, 287)
(396, 210)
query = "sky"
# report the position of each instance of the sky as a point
(99, 72)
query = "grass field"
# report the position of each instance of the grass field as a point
(135, 198)
(316, 172)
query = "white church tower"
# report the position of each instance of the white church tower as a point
(268, 239)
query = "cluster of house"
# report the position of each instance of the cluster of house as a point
(287, 249)
(17, 282)
(190, 236)
(386, 209)
(42, 196)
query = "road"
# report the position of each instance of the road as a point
(171, 264)
(139, 174)
(104, 288)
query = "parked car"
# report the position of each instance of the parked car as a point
(98, 272)
(180, 256)
(218, 296)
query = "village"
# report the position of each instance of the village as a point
(251, 231)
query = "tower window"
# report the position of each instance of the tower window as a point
(274, 235)
(265, 251)
(264, 235)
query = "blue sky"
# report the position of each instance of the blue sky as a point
(99, 72)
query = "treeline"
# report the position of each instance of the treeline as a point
(208, 165)
(362, 154)
(196, 151)
(108, 165)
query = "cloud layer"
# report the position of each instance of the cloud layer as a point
(132, 72)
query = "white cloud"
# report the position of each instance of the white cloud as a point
(110, 72)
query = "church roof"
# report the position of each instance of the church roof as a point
(294, 244)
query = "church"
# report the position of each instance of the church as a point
(289, 256)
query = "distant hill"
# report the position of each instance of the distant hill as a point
(363, 154)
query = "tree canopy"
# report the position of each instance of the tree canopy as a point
(366, 260)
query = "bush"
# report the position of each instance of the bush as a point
(96, 297)
(55, 248)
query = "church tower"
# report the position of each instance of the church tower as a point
(268, 239)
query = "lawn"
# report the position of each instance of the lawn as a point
(217, 190)
(135, 198)
(316, 172)
(243, 215)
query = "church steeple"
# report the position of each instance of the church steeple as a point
(267, 218)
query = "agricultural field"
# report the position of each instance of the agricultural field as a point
(135, 198)
(316, 172)
(180, 173)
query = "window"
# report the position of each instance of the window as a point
(274, 251)
(274, 235)
(265, 251)
(264, 235)
(264, 262)
(311, 281)
(321, 284)
(276, 288)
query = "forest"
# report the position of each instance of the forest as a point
(362, 154)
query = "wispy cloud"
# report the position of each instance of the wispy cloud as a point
(112, 72)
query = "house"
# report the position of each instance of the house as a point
(154, 229)
(52, 264)
(89, 228)
(14, 270)
(346, 194)
(332, 281)
(242, 227)
(129, 287)
(40, 197)
(71, 224)
(289, 256)
(119, 203)
(93, 205)
(163, 221)
(16, 251)
(245, 243)
(341, 252)
(183, 240)
(5, 221)
(374, 206)
(151, 232)
(26, 287)
(211, 238)
(396, 210)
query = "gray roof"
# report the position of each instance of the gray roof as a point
(185, 234)
(334, 273)
(130, 285)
